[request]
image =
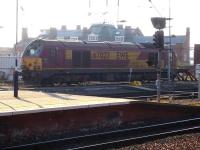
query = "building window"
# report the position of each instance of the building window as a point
(119, 38)
(73, 38)
(185, 57)
(60, 38)
(92, 37)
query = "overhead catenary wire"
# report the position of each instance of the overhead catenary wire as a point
(154, 7)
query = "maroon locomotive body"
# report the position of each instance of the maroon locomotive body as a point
(53, 61)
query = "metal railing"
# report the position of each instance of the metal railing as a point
(7, 66)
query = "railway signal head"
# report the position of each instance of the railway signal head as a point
(158, 39)
(159, 22)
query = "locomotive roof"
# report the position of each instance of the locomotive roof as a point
(92, 45)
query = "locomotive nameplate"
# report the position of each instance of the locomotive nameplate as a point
(100, 55)
(112, 55)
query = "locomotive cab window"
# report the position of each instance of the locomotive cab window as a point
(53, 52)
(33, 49)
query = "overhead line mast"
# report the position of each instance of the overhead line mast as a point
(117, 11)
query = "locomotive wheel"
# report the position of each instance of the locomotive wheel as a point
(46, 82)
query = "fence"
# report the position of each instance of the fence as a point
(7, 66)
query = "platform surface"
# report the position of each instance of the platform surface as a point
(33, 102)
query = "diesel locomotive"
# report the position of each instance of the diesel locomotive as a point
(55, 61)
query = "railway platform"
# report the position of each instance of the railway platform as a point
(35, 102)
(39, 116)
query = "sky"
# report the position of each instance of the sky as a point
(43, 14)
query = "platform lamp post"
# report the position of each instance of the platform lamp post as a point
(159, 23)
(15, 74)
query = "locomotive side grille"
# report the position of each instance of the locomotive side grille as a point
(81, 58)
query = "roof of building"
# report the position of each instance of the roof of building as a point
(69, 33)
(107, 32)
(97, 28)
(5, 51)
(149, 39)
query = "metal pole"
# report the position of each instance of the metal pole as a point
(199, 86)
(158, 87)
(16, 24)
(15, 83)
(170, 44)
(158, 78)
(117, 11)
(130, 73)
(15, 75)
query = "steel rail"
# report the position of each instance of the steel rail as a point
(175, 95)
(129, 134)
(136, 140)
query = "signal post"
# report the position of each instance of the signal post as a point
(158, 42)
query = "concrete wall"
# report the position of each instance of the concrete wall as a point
(33, 127)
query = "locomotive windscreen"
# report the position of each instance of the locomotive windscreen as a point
(33, 49)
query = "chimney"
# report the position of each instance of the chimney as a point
(85, 34)
(78, 27)
(52, 33)
(85, 28)
(127, 27)
(24, 34)
(188, 32)
(119, 26)
(63, 28)
(187, 45)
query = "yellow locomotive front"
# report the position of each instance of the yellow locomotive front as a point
(32, 61)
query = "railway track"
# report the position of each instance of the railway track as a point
(176, 95)
(116, 90)
(77, 84)
(118, 138)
